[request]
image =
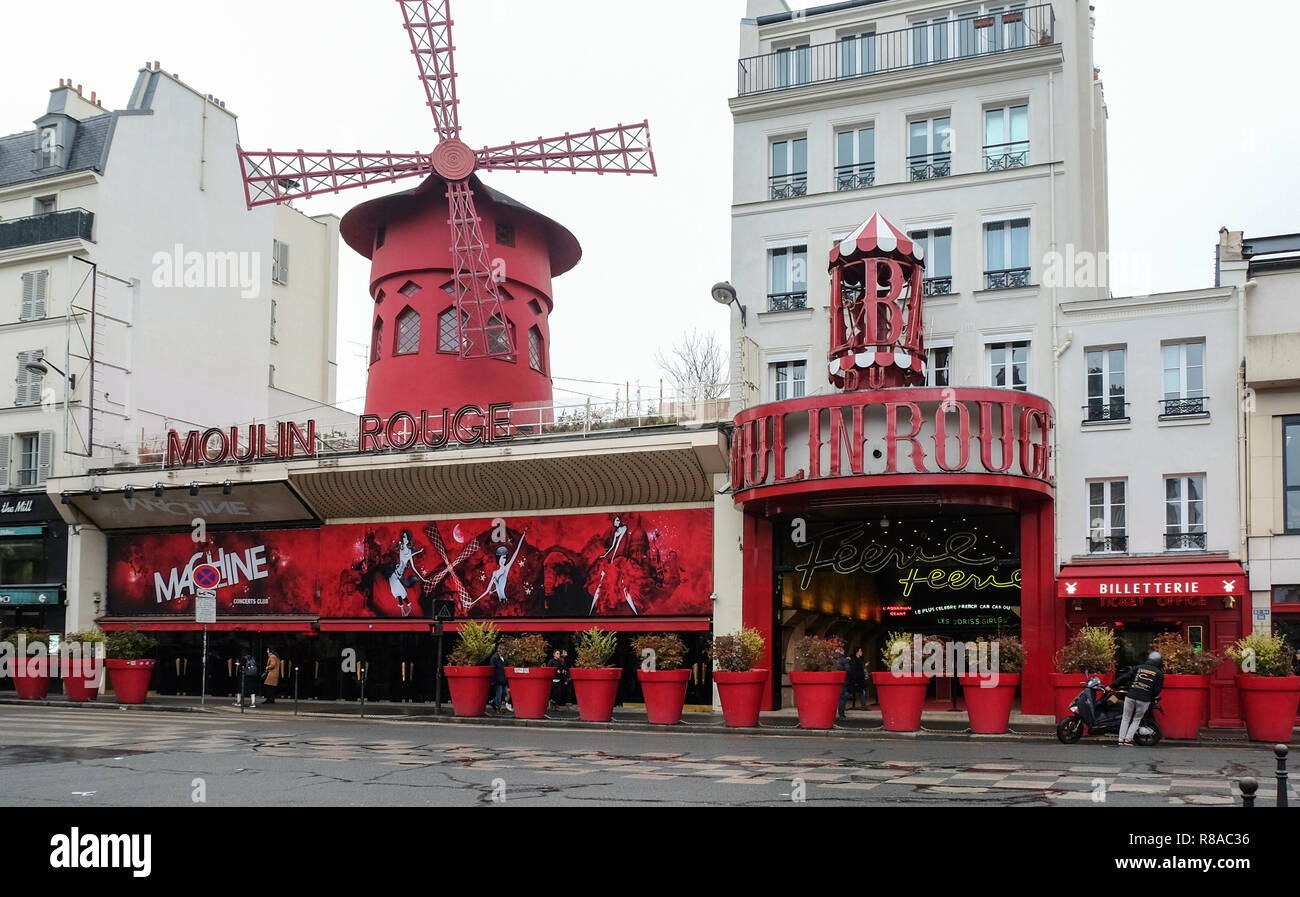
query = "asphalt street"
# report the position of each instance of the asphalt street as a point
(59, 758)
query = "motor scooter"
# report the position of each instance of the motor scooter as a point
(1099, 710)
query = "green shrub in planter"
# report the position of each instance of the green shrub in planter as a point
(1263, 654)
(669, 652)
(526, 650)
(1181, 659)
(31, 636)
(130, 644)
(1092, 650)
(738, 652)
(813, 655)
(475, 646)
(594, 649)
(1011, 655)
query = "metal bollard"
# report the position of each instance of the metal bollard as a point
(363, 692)
(295, 690)
(1248, 788)
(1281, 750)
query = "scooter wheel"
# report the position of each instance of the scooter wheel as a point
(1150, 739)
(1069, 730)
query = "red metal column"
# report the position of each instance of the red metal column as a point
(1042, 617)
(757, 611)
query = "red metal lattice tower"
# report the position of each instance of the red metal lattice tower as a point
(272, 177)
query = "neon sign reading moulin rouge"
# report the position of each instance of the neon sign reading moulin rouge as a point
(403, 431)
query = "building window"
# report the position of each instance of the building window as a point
(1185, 513)
(1286, 594)
(932, 40)
(30, 383)
(271, 377)
(47, 153)
(535, 306)
(788, 278)
(498, 338)
(1106, 385)
(45, 205)
(940, 371)
(448, 332)
(937, 244)
(1006, 138)
(1107, 524)
(505, 234)
(1291, 472)
(1184, 382)
(273, 339)
(789, 168)
(32, 453)
(535, 352)
(27, 454)
(1006, 254)
(857, 54)
(279, 262)
(855, 159)
(381, 234)
(376, 340)
(410, 288)
(929, 148)
(789, 380)
(35, 284)
(408, 333)
(1009, 365)
(793, 65)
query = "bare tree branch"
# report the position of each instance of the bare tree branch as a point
(698, 367)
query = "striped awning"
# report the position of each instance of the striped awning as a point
(877, 236)
(879, 358)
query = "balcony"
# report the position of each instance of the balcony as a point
(51, 227)
(1191, 406)
(1108, 545)
(1005, 156)
(1185, 541)
(936, 286)
(1101, 411)
(929, 167)
(787, 301)
(917, 47)
(854, 177)
(788, 186)
(1006, 279)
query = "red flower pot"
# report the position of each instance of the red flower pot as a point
(902, 695)
(81, 679)
(597, 690)
(1066, 687)
(130, 679)
(469, 689)
(530, 690)
(987, 704)
(665, 693)
(741, 695)
(1186, 704)
(30, 684)
(817, 696)
(1269, 705)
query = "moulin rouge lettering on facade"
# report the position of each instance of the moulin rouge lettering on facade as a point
(402, 431)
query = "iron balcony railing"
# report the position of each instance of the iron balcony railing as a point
(1108, 545)
(787, 301)
(1185, 541)
(907, 48)
(787, 186)
(1003, 156)
(1100, 410)
(854, 177)
(1184, 407)
(937, 286)
(48, 228)
(929, 167)
(1006, 279)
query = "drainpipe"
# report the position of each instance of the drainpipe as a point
(1242, 418)
(1057, 348)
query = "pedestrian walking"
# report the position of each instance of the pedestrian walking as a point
(499, 681)
(557, 679)
(857, 679)
(842, 665)
(271, 677)
(1144, 683)
(248, 673)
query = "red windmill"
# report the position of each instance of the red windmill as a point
(482, 328)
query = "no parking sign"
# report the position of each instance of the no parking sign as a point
(206, 576)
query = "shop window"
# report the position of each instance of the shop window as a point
(1291, 472)
(1286, 595)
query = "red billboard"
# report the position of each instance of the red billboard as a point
(640, 563)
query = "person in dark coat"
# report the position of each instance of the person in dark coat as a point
(271, 676)
(842, 664)
(499, 681)
(1144, 683)
(856, 681)
(249, 677)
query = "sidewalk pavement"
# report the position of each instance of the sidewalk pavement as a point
(943, 724)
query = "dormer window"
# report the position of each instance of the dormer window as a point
(47, 153)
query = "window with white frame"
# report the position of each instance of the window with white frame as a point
(1185, 513)
(969, 32)
(857, 54)
(25, 458)
(1184, 379)
(35, 286)
(939, 372)
(1006, 137)
(30, 383)
(1009, 364)
(789, 168)
(929, 148)
(932, 39)
(279, 262)
(788, 379)
(44, 205)
(793, 65)
(1006, 254)
(1106, 399)
(47, 154)
(855, 158)
(1107, 521)
(787, 278)
(937, 243)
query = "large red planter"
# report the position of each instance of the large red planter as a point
(665, 694)
(1269, 705)
(741, 695)
(817, 696)
(1066, 687)
(530, 690)
(130, 679)
(901, 698)
(597, 690)
(81, 679)
(987, 705)
(1185, 701)
(469, 689)
(30, 686)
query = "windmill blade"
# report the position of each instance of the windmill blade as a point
(621, 150)
(485, 329)
(271, 177)
(428, 22)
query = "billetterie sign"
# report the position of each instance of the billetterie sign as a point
(402, 431)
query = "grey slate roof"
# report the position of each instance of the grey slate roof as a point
(87, 151)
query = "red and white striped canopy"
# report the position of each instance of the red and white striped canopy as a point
(875, 237)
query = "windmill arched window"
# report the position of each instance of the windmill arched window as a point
(376, 340)
(448, 332)
(535, 350)
(407, 339)
(499, 339)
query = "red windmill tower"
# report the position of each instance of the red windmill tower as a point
(457, 320)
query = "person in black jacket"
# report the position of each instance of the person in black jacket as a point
(1144, 684)
(856, 681)
(499, 680)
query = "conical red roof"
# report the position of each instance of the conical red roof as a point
(876, 236)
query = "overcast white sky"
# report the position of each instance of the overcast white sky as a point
(1199, 133)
